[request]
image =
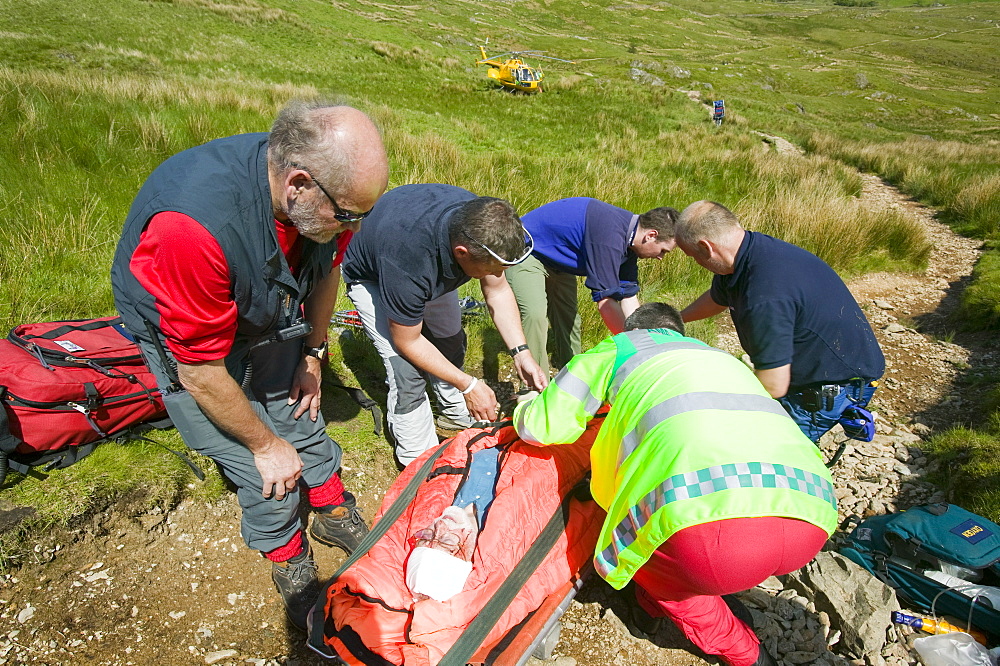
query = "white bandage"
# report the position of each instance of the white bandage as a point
(435, 573)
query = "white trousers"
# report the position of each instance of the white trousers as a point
(408, 409)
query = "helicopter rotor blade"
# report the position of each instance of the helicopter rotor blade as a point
(540, 54)
(530, 54)
(572, 62)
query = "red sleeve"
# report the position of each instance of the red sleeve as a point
(182, 265)
(343, 239)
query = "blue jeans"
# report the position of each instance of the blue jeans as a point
(816, 424)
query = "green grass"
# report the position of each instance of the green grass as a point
(92, 99)
(970, 464)
(980, 308)
(962, 180)
(132, 477)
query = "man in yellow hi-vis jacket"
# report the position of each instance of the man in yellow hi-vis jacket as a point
(708, 484)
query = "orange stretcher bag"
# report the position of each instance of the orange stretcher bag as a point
(539, 532)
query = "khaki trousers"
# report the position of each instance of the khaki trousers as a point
(545, 295)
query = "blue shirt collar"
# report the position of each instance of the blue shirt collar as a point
(740, 261)
(450, 268)
(633, 226)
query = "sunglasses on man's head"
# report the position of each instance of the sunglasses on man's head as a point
(339, 213)
(529, 245)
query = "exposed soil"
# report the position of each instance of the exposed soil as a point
(181, 587)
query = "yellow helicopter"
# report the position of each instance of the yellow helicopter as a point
(510, 71)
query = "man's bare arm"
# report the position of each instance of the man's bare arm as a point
(703, 307)
(306, 386)
(613, 314)
(419, 351)
(223, 401)
(776, 380)
(507, 318)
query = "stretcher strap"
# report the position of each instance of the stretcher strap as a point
(358, 396)
(480, 627)
(388, 519)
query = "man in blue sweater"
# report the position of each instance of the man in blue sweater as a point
(583, 237)
(811, 345)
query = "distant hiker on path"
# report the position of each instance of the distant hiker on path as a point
(811, 345)
(708, 485)
(584, 237)
(226, 274)
(419, 245)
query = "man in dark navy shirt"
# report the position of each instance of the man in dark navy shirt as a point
(589, 238)
(418, 245)
(811, 345)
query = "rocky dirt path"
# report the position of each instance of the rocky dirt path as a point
(180, 587)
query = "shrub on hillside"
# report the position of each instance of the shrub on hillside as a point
(564, 82)
(977, 204)
(970, 466)
(980, 309)
(960, 178)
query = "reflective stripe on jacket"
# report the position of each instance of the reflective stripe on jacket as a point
(691, 437)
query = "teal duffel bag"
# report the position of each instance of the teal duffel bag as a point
(938, 557)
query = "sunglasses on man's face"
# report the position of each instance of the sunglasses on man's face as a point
(529, 245)
(339, 213)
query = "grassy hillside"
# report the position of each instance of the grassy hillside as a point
(95, 93)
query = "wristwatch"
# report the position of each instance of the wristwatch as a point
(317, 352)
(514, 351)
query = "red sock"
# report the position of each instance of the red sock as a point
(330, 493)
(288, 551)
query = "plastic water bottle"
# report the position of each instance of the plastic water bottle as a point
(957, 571)
(985, 593)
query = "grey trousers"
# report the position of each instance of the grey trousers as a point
(267, 523)
(408, 409)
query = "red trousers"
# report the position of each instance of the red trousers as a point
(688, 574)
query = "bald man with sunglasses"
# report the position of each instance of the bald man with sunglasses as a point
(227, 275)
(420, 243)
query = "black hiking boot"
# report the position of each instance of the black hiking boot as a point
(639, 623)
(764, 658)
(742, 613)
(739, 610)
(341, 526)
(297, 581)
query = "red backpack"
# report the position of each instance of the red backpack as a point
(69, 385)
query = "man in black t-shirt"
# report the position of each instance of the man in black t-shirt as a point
(811, 345)
(418, 245)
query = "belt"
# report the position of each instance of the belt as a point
(857, 382)
(817, 397)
